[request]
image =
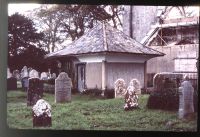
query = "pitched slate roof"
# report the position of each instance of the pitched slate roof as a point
(104, 38)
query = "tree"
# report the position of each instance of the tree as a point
(24, 43)
(63, 22)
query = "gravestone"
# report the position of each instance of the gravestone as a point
(137, 87)
(53, 76)
(9, 75)
(41, 113)
(63, 86)
(24, 78)
(120, 88)
(35, 91)
(186, 104)
(24, 72)
(16, 74)
(29, 70)
(131, 96)
(166, 80)
(33, 74)
(11, 83)
(43, 76)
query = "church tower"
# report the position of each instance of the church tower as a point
(137, 20)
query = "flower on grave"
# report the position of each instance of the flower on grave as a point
(42, 107)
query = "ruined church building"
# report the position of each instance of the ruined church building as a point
(170, 30)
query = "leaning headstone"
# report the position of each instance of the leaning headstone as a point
(120, 88)
(43, 76)
(12, 83)
(35, 90)
(63, 86)
(186, 105)
(41, 113)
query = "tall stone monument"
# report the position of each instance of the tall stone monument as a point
(186, 104)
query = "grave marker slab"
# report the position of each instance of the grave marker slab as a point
(35, 91)
(9, 75)
(186, 104)
(33, 74)
(24, 78)
(120, 88)
(16, 74)
(43, 76)
(63, 86)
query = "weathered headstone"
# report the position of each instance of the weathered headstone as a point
(186, 104)
(24, 78)
(9, 75)
(41, 113)
(35, 91)
(24, 72)
(120, 88)
(166, 80)
(53, 76)
(16, 74)
(43, 76)
(63, 86)
(29, 70)
(33, 74)
(131, 96)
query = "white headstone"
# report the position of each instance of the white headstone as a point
(63, 86)
(24, 72)
(134, 86)
(120, 88)
(186, 105)
(33, 74)
(43, 76)
(16, 74)
(9, 75)
(53, 76)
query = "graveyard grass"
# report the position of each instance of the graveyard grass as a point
(88, 112)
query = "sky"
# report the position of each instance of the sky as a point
(21, 8)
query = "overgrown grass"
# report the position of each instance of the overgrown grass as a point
(87, 112)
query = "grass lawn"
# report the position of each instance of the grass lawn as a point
(87, 112)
